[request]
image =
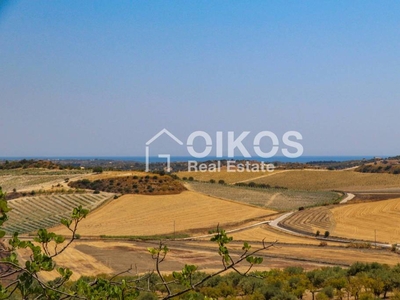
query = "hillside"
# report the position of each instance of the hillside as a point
(389, 166)
(32, 164)
(138, 215)
(144, 184)
(348, 180)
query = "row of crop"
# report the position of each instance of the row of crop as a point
(30, 214)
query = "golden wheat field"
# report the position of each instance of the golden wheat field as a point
(228, 177)
(362, 219)
(311, 220)
(150, 215)
(259, 233)
(111, 174)
(348, 180)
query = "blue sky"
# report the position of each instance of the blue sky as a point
(102, 77)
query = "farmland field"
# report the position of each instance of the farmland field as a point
(353, 221)
(360, 221)
(135, 215)
(331, 180)
(32, 179)
(199, 210)
(110, 257)
(311, 220)
(276, 199)
(228, 177)
(32, 213)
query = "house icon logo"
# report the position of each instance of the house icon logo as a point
(167, 156)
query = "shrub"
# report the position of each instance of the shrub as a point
(329, 291)
(323, 244)
(98, 170)
(326, 234)
(317, 233)
(191, 178)
(221, 181)
(212, 181)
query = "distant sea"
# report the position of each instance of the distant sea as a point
(302, 159)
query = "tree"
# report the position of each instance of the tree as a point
(98, 170)
(27, 284)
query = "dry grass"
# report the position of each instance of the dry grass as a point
(81, 263)
(331, 180)
(35, 179)
(353, 221)
(96, 257)
(311, 220)
(113, 174)
(361, 219)
(149, 215)
(228, 177)
(270, 235)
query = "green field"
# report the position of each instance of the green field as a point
(276, 199)
(32, 213)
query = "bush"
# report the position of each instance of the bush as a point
(323, 244)
(98, 170)
(191, 178)
(317, 233)
(221, 181)
(326, 234)
(329, 291)
(212, 181)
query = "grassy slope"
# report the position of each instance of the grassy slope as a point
(277, 199)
